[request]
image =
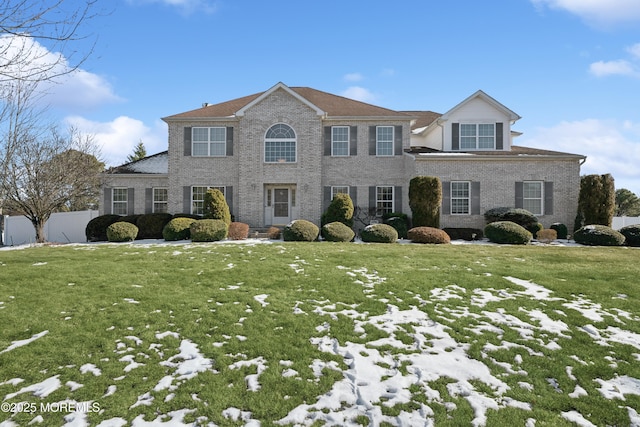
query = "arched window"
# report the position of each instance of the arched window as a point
(280, 144)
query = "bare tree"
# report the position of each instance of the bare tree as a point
(24, 24)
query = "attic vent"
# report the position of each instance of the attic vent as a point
(205, 104)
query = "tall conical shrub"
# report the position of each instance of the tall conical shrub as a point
(340, 210)
(215, 206)
(597, 200)
(425, 197)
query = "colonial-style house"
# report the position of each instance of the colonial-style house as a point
(284, 153)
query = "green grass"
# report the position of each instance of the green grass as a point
(102, 303)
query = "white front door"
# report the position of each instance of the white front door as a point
(281, 206)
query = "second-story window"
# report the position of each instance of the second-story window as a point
(280, 144)
(209, 141)
(340, 141)
(384, 141)
(477, 136)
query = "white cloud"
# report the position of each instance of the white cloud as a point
(611, 146)
(599, 13)
(353, 77)
(118, 138)
(185, 6)
(607, 68)
(359, 94)
(634, 50)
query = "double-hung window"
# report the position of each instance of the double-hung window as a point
(280, 144)
(340, 140)
(477, 136)
(384, 200)
(384, 140)
(460, 197)
(160, 200)
(210, 142)
(197, 198)
(120, 201)
(532, 197)
(339, 189)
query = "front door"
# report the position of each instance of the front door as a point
(281, 208)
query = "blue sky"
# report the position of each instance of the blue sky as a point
(570, 68)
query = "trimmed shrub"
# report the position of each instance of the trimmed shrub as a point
(598, 235)
(546, 236)
(597, 200)
(187, 215)
(122, 231)
(534, 228)
(561, 230)
(178, 229)
(274, 233)
(238, 231)
(131, 219)
(379, 233)
(340, 209)
(215, 206)
(425, 196)
(300, 230)
(96, 229)
(151, 225)
(631, 234)
(208, 230)
(520, 216)
(468, 234)
(507, 232)
(428, 235)
(399, 221)
(337, 232)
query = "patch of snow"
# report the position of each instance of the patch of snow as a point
(41, 389)
(20, 343)
(578, 418)
(262, 299)
(617, 387)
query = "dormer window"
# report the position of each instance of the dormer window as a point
(477, 136)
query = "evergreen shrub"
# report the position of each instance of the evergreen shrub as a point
(122, 231)
(340, 209)
(178, 229)
(215, 206)
(520, 216)
(300, 230)
(598, 235)
(428, 235)
(151, 225)
(208, 230)
(425, 197)
(238, 231)
(468, 234)
(337, 232)
(631, 234)
(96, 229)
(507, 232)
(561, 230)
(379, 233)
(596, 200)
(399, 221)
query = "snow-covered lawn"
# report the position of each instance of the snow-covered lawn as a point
(458, 342)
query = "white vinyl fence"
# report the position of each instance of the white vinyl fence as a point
(62, 227)
(623, 221)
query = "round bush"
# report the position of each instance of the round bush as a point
(300, 230)
(208, 230)
(399, 222)
(96, 229)
(178, 229)
(337, 232)
(521, 217)
(238, 231)
(379, 233)
(151, 225)
(598, 235)
(122, 231)
(561, 230)
(428, 235)
(507, 232)
(468, 234)
(631, 234)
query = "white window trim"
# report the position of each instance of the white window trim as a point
(294, 140)
(125, 201)
(154, 202)
(334, 191)
(379, 211)
(541, 183)
(477, 136)
(393, 136)
(208, 187)
(451, 198)
(348, 142)
(208, 142)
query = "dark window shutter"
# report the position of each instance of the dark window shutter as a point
(446, 198)
(327, 140)
(148, 200)
(475, 198)
(372, 198)
(326, 197)
(186, 199)
(229, 141)
(353, 193)
(455, 136)
(397, 141)
(397, 198)
(187, 141)
(499, 137)
(107, 201)
(372, 140)
(353, 140)
(548, 198)
(519, 194)
(131, 208)
(228, 195)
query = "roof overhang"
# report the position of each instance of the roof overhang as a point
(286, 88)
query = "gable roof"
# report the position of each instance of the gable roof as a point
(489, 100)
(324, 103)
(154, 164)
